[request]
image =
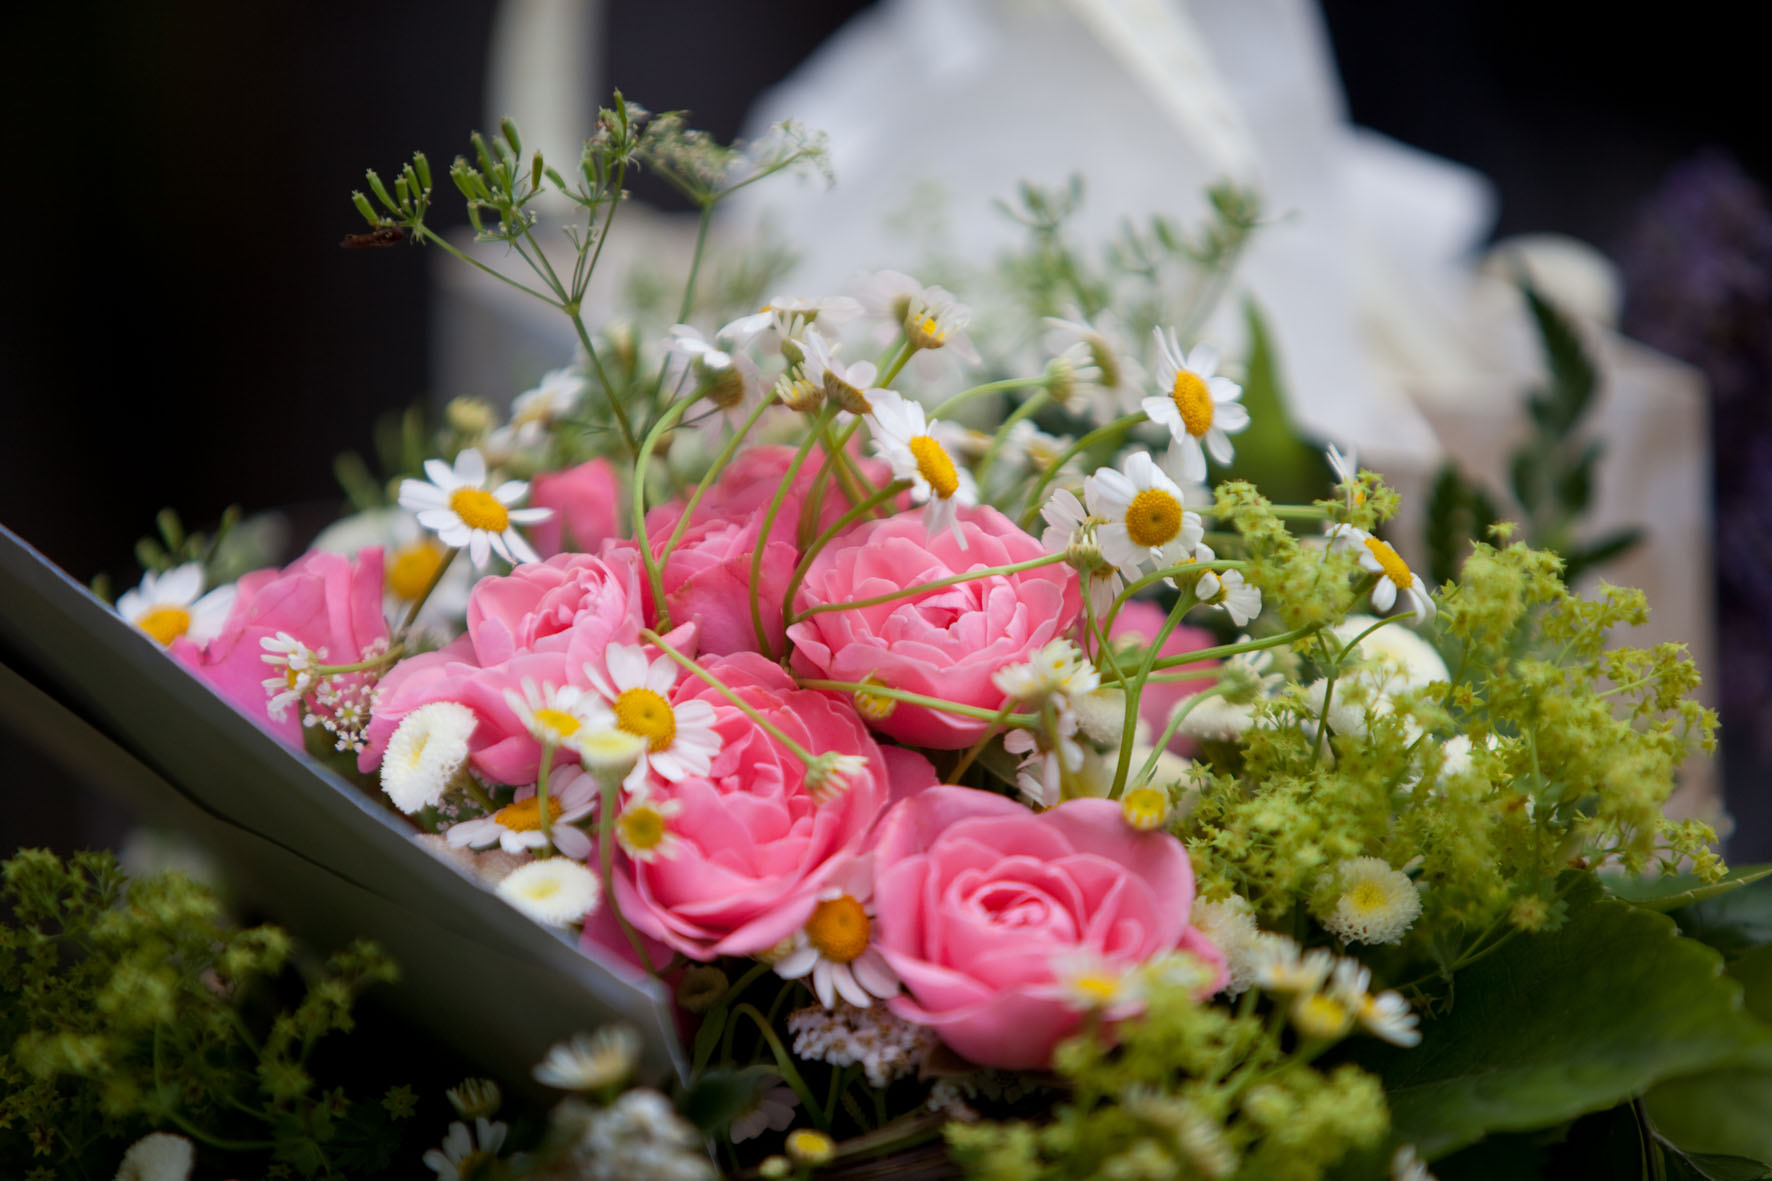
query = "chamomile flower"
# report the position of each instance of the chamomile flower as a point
(1395, 576)
(455, 504)
(554, 891)
(1227, 589)
(1387, 1016)
(465, 1153)
(1087, 982)
(1347, 473)
(835, 947)
(428, 751)
(727, 380)
(643, 829)
(1198, 407)
(934, 319)
(299, 675)
(1070, 531)
(167, 606)
(1322, 1016)
(1103, 360)
(554, 716)
(1244, 681)
(1282, 966)
(1144, 521)
(1395, 658)
(788, 318)
(1032, 449)
(848, 387)
(411, 559)
(593, 1061)
(1047, 755)
(1373, 902)
(903, 438)
(1059, 669)
(517, 827)
(1229, 925)
(680, 739)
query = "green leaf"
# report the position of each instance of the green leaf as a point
(715, 1099)
(1571, 372)
(1726, 1111)
(1672, 891)
(1733, 923)
(1709, 1166)
(1555, 1025)
(1458, 512)
(1271, 453)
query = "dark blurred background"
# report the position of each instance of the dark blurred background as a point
(179, 327)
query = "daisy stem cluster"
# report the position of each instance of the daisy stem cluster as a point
(935, 584)
(1135, 689)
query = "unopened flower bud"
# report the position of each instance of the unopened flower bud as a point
(721, 382)
(469, 416)
(609, 755)
(793, 350)
(846, 396)
(799, 394)
(701, 987)
(808, 1146)
(364, 207)
(1061, 380)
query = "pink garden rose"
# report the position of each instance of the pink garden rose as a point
(325, 601)
(707, 581)
(1141, 620)
(746, 486)
(587, 508)
(753, 849)
(542, 622)
(945, 643)
(979, 902)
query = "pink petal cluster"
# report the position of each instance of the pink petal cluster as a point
(542, 622)
(1142, 620)
(977, 898)
(323, 600)
(587, 508)
(755, 849)
(945, 643)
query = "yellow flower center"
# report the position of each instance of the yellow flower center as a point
(928, 333)
(525, 815)
(875, 707)
(839, 928)
(563, 724)
(642, 827)
(165, 624)
(1394, 567)
(413, 567)
(414, 757)
(1098, 988)
(1153, 518)
(1321, 1016)
(1145, 808)
(1367, 897)
(1194, 401)
(934, 466)
(645, 714)
(479, 509)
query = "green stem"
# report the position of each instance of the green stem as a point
(989, 460)
(1175, 720)
(979, 391)
(701, 241)
(1223, 650)
(541, 795)
(923, 587)
(977, 748)
(744, 707)
(775, 503)
(946, 706)
(382, 661)
(784, 1063)
(1112, 430)
(431, 586)
(712, 474)
(431, 237)
(654, 566)
(824, 539)
(1129, 727)
(904, 355)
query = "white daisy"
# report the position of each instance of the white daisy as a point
(836, 948)
(1282, 966)
(1070, 531)
(426, 754)
(728, 380)
(1373, 902)
(554, 891)
(1395, 576)
(680, 739)
(1059, 669)
(788, 318)
(1227, 589)
(591, 1062)
(1085, 980)
(1033, 450)
(456, 505)
(1046, 757)
(556, 716)
(848, 387)
(535, 410)
(466, 1153)
(1103, 360)
(1387, 1016)
(643, 828)
(299, 675)
(1143, 514)
(1197, 406)
(516, 827)
(902, 438)
(167, 606)
(935, 319)
(411, 557)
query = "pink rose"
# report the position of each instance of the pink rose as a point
(542, 622)
(1141, 620)
(979, 902)
(748, 483)
(323, 600)
(707, 581)
(587, 508)
(752, 848)
(945, 643)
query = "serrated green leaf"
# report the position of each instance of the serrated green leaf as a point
(1706, 1166)
(1572, 373)
(1725, 1112)
(1556, 1025)
(1672, 891)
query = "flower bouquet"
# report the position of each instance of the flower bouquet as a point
(962, 768)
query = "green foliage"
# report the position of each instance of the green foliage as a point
(1551, 475)
(1189, 1090)
(1551, 1026)
(1672, 891)
(132, 1007)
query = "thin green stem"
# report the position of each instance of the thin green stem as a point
(784, 1063)
(775, 503)
(1176, 718)
(541, 796)
(430, 588)
(431, 237)
(610, 789)
(905, 695)
(701, 241)
(979, 391)
(654, 565)
(991, 452)
(923, 587)
(1224, 650)
(1129, 727)
(824, 539)
(1112, 430)
(712, 474)
(977, 748)
(744, 707)
(904, 355)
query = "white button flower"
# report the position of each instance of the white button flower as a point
(1198, 407)
(456, 505)
(555, 891)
